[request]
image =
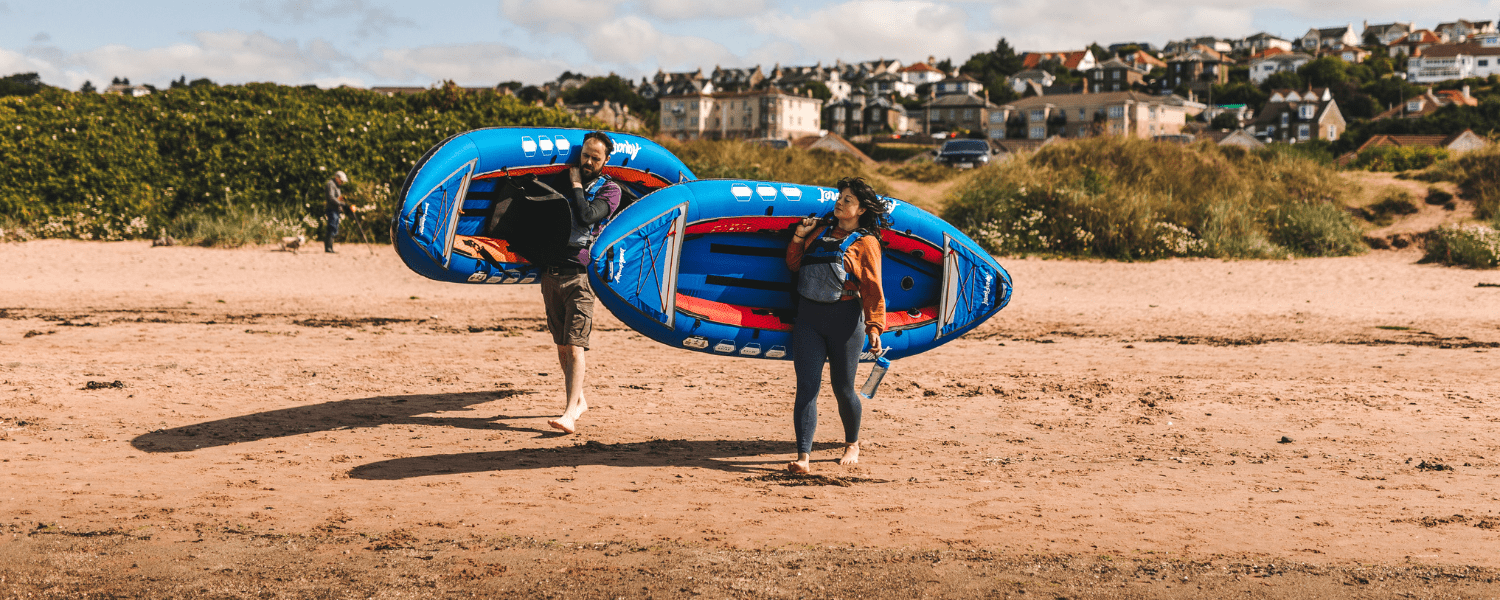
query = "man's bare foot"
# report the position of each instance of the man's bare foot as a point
(851, 455)
(568, 423)
(799, 467)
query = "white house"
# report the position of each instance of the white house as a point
(1331, 37)
(1271, 61)
(1453, 61)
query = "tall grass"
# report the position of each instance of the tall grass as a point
(1477, 174)
(1124, 198)
(735, 159)
(240, 225)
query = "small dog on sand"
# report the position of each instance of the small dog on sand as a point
(291, 244)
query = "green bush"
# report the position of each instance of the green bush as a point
(1475, 246)
(1392, 202)
(1315, 229)
(894, 152)
(98, 166)
(1437, 197)
(922, 171)
(1398, 158)
(1123, 198)
(1478, 175)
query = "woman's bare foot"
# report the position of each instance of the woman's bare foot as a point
(851, 455)
(801, 466)
(568, 423)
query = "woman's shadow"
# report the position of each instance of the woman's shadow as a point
(405, 410)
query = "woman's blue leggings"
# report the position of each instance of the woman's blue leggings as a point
(826, 333)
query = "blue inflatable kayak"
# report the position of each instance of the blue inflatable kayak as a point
(476, 202)
(702, 265)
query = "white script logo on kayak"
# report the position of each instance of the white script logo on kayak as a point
(630, 148)
(828, 196)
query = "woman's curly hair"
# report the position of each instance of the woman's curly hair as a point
(874, 218)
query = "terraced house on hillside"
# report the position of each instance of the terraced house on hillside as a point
(1085, 115)
(769, 113)
(1293, 116)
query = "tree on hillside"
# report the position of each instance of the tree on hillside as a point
(1325, 72)
(612, 88)
(1101, 53)
(1282, 80)
(20, 84)
(1390, 91)
(88, 87)
(991, 68)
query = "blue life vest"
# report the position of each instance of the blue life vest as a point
(822, 276)
(581, 235)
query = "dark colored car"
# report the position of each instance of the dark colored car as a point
(964, 154)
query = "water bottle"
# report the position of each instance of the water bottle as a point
(876, 374)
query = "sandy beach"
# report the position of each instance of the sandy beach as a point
(189, 422)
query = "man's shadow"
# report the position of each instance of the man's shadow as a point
(329, 416)
(749, 456)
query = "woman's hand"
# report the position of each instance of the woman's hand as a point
(873, 335)
(805, 228)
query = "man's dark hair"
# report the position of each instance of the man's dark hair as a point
(874, 218)
(609, 144)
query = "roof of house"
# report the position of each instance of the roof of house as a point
(1199, 54)
(1426, 36)
(1033, 74)
(1270, 114)
(1451, 50)
(1263, 36)
(1070, 59)
(832, 142)
(1383, 28)
(920, 67)
(1143, 57)
(1073, 100)
(1465, 22)
(960, 100)
(1428, 141)
(1333, 32)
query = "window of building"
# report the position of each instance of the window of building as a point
(1307, 110)
(1038, 132)
(1116, 112)
(1037, 115)
(1098, 74)
(1151, 111)
(968, 114)
(1303, 131)
(1484, 62)
(1270, 130)
(1116, 75)
(1414, 106)
(952, 114)
(1285, 118)
(996, 117)
(1081, 114)
(1270, 67)
(1333, 133)
(1114, 87)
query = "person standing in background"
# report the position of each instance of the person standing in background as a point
(334, 208)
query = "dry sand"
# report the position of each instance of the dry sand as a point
(312, 425)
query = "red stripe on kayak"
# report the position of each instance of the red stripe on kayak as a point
(626, 174)
(906, 244)
(742, 224)
(904, 320)
(744, 316)
(542, 170)
(893, 240)
(729, 314)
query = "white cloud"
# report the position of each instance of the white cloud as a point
(369, 20)
(466, 64)
(677, 10)
(868, 29)
(633, 41)
(559, 16)
(223, 56)
(1038, 25)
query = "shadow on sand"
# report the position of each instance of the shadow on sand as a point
(329, 416)
(749, 457)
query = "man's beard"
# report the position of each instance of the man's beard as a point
(588, 175)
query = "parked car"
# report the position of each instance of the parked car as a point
(964, 154)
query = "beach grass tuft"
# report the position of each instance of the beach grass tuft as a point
(1130, 199)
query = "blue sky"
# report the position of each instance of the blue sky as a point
(482, 42)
